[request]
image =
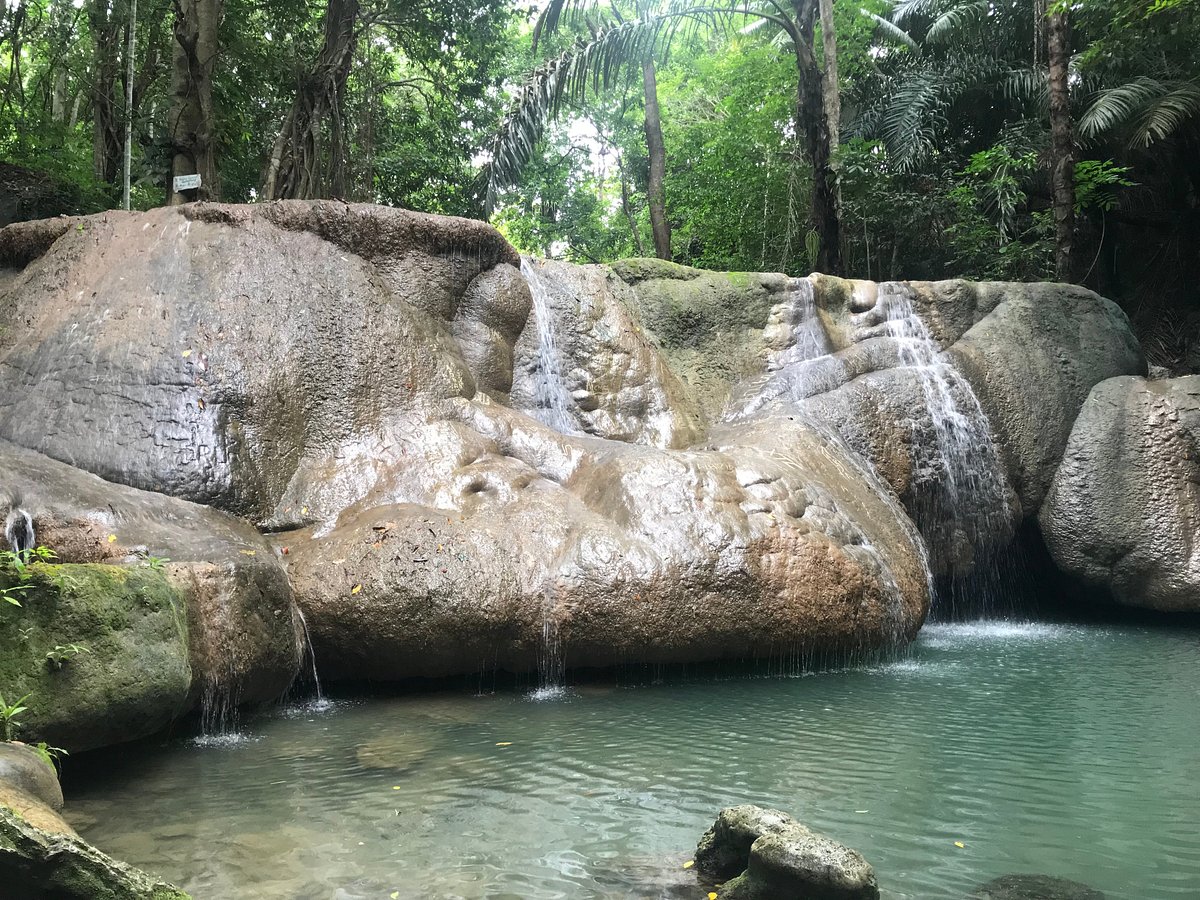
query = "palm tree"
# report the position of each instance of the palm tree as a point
(617, 43)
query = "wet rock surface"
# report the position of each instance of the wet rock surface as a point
(780, 859)
(171, 599)
(1123, 511)
(368, 385)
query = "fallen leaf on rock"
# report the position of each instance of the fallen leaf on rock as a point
(712, 895)
(248, 552)
(112, 538)
(187, 353)
(689, 863)
(394, 895)
(357, 589)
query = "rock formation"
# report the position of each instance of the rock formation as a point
(1123, 511)
(735, 470)
(767, 855)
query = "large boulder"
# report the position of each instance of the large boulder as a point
(780, 859)
(29, 787)
(36, 864)
(1122, 511)
(345, 376)
(174, 602)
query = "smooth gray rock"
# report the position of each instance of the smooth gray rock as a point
(1034, 887)
(1123, 512)
(25, 770)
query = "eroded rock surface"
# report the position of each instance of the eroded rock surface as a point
(774, 857)
(1123, 511)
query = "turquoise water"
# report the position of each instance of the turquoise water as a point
(1069, 750)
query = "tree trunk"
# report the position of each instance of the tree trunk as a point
(833, 98)
(127, 155)
(301, 166)
(192, 122)
(106, 127)
(655, 192)
(627, 208)
(813, 128)
(1062, 147)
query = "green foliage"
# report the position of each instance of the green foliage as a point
(8, 716)
(1096, 184)
(64, 653)
(51, 756)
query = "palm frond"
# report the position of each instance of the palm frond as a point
(1167, 114)
(591, 65)
(960, 19)
(890, 30)
(1111, 108)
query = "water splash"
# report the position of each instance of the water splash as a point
(552, 400)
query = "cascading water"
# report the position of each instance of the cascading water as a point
(963, 510)
(806, 339)
(552, 400)
(305, 649)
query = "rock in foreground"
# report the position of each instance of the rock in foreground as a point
(780, 859)
(37, 865)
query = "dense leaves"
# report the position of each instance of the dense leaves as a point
(944, 166)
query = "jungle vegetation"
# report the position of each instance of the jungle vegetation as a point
(883, 139)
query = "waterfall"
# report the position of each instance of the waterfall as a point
(305, 649)
(797, 319)
(552, 400)
(964, 511)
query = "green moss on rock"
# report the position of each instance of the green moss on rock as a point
(136, 674)
(37, 865)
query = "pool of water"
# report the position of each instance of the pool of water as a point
(1061, 749)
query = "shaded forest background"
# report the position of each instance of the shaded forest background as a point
(916, 139)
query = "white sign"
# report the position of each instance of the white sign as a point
(186, 183)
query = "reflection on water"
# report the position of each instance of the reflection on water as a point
(1061, 749)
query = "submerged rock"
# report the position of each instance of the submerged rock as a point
(1123, 509)
(780, 859)
(1034, 887)
(38, 865)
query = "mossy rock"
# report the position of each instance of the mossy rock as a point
(37, 865)
(134, 677)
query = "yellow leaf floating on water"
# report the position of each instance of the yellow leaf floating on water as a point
(357, 589)
(112, 538)
(394, 895)
(689, 863)
(959, 844)
(503, 743)
(395, 787)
